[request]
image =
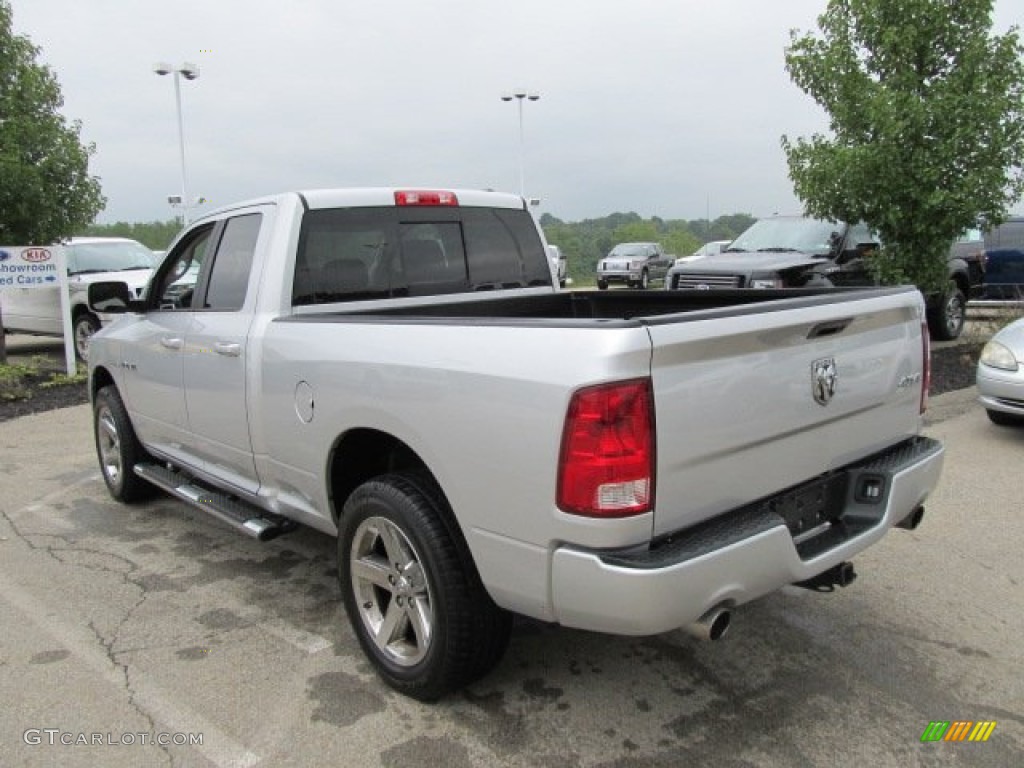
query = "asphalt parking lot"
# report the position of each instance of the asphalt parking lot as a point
(127, 624)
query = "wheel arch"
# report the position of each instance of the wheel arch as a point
(77, 310)
(959, 273)
(101, 377)
(364, 453)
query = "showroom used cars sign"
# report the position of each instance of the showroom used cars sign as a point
(22, 267)
(28, 267)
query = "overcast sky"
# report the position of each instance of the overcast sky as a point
(671, 108)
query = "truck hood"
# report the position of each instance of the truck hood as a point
(746, 263)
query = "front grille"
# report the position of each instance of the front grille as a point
(704, 282)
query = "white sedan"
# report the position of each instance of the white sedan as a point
(1000, 377)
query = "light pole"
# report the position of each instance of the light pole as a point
(190, 72)
(520, 96)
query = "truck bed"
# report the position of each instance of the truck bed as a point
(628, 308)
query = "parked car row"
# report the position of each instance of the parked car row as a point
(802, 252)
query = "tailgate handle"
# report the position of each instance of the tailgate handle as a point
(829, 328)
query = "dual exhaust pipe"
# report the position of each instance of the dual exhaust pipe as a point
(911, 521)
(712, 625)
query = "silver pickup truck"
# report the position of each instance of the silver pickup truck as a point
(397, 369)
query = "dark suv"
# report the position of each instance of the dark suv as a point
(800, 252)
(1004, 271)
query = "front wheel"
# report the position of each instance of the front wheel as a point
(84, 327)
(946, 321)
(602, 285)
(645, 281)
(118, 449)
(411, 590)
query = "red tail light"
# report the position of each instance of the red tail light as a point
(606, 468)
(425, 197)
(926, 369)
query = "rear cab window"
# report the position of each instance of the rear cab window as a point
(362, 253)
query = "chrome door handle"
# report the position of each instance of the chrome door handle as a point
(171, 342)
(227, 348)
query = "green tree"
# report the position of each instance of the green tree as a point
(153, 234)
(46, 192)
(636, 232)
(927, 118)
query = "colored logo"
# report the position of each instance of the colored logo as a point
(958, 730)
(35, 255)
(4, 255)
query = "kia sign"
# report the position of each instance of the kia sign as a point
(25, 268)
(28, 267)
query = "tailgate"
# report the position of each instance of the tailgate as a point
(742, 410)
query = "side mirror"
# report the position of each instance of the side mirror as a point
(110, 297)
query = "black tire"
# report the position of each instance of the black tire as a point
(946, 320)
(118, 449)
(84, 326)
(411, 591)
(602, 285)
(1004, 419)
(645, 281)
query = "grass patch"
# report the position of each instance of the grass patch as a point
(19, 380)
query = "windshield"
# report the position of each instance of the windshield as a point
(628, 250)
(787, 234)
(118, 256)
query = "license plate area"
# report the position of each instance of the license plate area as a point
(814, 508)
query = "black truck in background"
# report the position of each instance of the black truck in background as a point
(800, 252)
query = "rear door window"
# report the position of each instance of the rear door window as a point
(229, 279)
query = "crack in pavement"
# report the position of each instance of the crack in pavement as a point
(57, 554)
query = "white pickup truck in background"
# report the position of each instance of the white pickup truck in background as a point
(398, 369)
(37, 311)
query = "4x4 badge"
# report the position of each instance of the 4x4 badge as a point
(823, 379)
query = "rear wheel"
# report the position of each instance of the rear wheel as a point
(411, 590)
(602, 285)
(118, 449)
(946, 321)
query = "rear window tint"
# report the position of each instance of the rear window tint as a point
(353, 254)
